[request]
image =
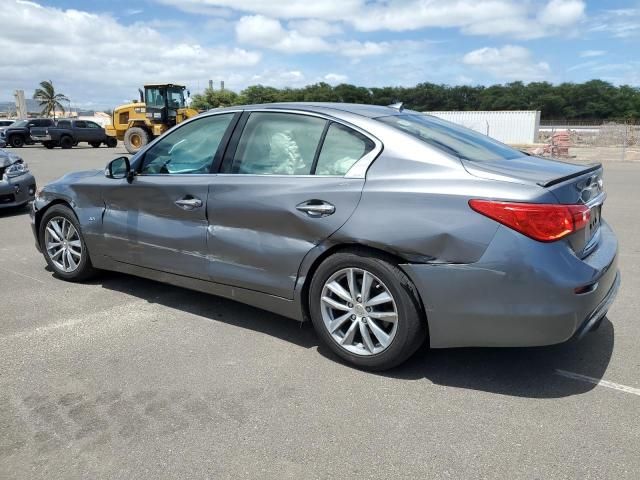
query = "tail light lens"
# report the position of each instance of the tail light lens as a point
(540, 221)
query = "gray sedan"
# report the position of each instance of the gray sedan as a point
(17, 185)
(384, 227)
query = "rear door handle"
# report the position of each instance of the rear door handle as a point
(316, 208)
(189, 203)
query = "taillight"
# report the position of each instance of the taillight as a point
(540, 221)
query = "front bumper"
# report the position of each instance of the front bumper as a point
(520, 293)
(17, 191)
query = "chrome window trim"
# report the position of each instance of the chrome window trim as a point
(358, 170)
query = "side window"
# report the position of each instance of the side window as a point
(189, 149)
(81, 124)
(92, 125)
(64, 124)
(277, 144)
(342, 148)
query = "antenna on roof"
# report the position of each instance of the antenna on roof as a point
(397, 105)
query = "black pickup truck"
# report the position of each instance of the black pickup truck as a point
(18, 133)
(67, 133)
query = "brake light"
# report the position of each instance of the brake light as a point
(540, 221)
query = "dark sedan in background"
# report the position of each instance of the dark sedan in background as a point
(384, 227)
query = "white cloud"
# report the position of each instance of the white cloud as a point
(288, 9)
(335, 78)
(354, 48)
(562, 13)
(279, 78)
(592, 53)
(261, 31)
(510, 62)
(519, 19)
(315, 28)
(92, 55)
(621, 23)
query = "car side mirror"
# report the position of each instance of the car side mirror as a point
(118, 169)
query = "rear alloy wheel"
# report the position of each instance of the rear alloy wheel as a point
(111, 142)
(135, 138)
(359, 311)
(66, 142)
(366, 310)
(16, 141)
(63, 244)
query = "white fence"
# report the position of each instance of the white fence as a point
(514, 127)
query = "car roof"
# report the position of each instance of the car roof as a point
(370, 111)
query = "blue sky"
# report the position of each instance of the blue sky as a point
(98, 52)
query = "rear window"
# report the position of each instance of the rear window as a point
(451, 138)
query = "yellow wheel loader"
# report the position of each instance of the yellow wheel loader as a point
(161, 106)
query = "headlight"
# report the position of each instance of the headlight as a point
(16, 169)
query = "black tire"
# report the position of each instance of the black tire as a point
(111, 142)
(85, 269)
(95, 144)
(135, 138)
(16, 141)
(411, 327)
(48, 145)
(66, 142)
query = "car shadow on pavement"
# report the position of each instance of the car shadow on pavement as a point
(531, 372)
(521, 372)
(14, 211)
(211, 307)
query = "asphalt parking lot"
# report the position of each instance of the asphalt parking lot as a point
(128, 378)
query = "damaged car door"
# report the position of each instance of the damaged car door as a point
(282, 189)
(158, 218)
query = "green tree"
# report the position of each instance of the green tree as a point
(212, 98)
(594, 100)
(49, 100)
(261, 94)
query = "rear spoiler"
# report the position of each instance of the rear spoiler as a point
(555, 181)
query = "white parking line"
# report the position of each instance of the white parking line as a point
(602, 383)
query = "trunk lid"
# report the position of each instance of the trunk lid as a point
(569, 183)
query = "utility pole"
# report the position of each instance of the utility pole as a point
(222, 85)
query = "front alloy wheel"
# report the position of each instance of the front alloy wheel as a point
(359, 311)
(63, 244)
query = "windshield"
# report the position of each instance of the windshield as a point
(154, 97)
(451, 138)
(176, 97)
(21, 123)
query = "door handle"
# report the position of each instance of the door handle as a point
(189, 203)
(316, 208)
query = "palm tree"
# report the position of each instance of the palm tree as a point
(49, 99)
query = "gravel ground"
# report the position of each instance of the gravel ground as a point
(128, 378)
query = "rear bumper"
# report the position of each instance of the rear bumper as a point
(41, 138)
(520, 293)
(17, 191)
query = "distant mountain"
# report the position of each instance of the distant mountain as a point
(33, 106)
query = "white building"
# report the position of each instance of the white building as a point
(513, 127)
